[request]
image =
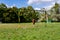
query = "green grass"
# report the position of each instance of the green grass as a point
(27, 31)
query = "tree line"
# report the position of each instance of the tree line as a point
(26, 14)
(17, 15)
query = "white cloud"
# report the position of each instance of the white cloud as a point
(37, 8)
(47, 6)
(33, 1)
(10, 6)
(46, 0)
(7, 5)
(50, 6)
(58, 1)
(37, 1)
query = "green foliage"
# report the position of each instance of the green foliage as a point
(55, 12)
(26, 14)
(17, 15)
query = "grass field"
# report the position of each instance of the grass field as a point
(27, 31)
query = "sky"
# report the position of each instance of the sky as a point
(36, 4)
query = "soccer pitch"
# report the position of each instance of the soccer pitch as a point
(28, 31)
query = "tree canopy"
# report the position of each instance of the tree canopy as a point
(26, 14)
(17, 15)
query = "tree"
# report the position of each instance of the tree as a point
(3, 9)
(31, 14)
(27, 14)
(10, 16)
(21, 13)
(14, 14)
(55, 12)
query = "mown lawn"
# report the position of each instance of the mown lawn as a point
(27, 31)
